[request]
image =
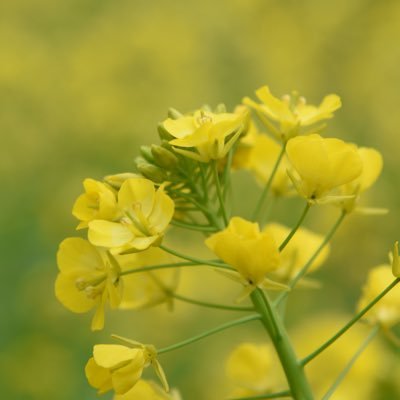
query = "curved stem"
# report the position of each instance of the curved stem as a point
(304, 270)
(219, 192)
(210, 332)
(257, 211)
(358, 316)
(346, 370)
(297, 226)
(285, 393)
(298, 383)
(160, 266)
(194, 227)
(195, 260)
(209, 305)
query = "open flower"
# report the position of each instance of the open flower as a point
(251, 252)
(146, 213)
(291, 115)
(98, 202)
(120, 367)
(88, 278)
(205, 136)
(387, 311)
(372, 166)
(298, 251)
(322, 165)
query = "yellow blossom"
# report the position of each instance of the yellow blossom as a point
(145, 289)
(322, 165)
(98, 202)
(387, 311)
(88, 278)
(291, 115)
(298, 251)
(372, 162)
(146, 213)
(147, 390)
(251, 252)
(120, 367)
(205, 136)
(252, 368)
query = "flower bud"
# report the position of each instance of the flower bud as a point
(151, 172)
(163, 133)
(174, 114)
(146, 153)
(163, 157)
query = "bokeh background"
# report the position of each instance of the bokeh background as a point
(84, 83)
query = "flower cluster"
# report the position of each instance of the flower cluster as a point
(185, 182)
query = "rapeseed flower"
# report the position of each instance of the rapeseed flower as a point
(98, 202)
(146, 213)
(322, 165)
(120, 367)
(147, 390)
(205, 136)
(252, 253)
(291, 115)
(88, 278)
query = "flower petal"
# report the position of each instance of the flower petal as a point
(108, 234)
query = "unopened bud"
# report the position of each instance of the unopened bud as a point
(151, 172)
(221, 108)
(146, 153)
(163, 133)
(117, 180)
(164, 158)
(174, 114)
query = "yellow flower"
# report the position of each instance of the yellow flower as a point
(146, 213)
(252, 368)
(88, 278)
(372, 166)
(298, 251)
(291, 116)
(145, 289)
(322, 165)
(206, 135)
(120, 367)
(251, 252)
(387, 311)
(98, 202)
(147, 390)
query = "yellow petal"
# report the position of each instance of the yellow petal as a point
(76, 254)
(98, 377)
(113, 355)
(69, 296)
(108, 234)
(180, 127)
(137, 191)
(273, 107)
(162, 212)
(98, 317)
(372, 167)
(124, 378)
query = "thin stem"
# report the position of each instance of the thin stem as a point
(358, 316)
(160, 266)
(299, 386)
(194, 227)
(257, 211)
(285, 393)
(195, 260)
(350, 364)
(209, 332)
(227, 172)
(296, 227)
(210, 305)
(219, 192)
(308, 264)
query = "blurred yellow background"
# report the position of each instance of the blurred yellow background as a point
(84, 83)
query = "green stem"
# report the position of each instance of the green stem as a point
(219, 192)
(358, 316)
(195, 260)
(160, 266)
(209, 332)
(285, 393)
(308, 264)
(267, 187)
(299, 386)
(346, 370)
(194, 227)
(295, 228)
(210, 305)
(227, 172)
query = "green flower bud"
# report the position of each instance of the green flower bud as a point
(146, 153)
(151, 172)
(163, 133)
(163, 157)
(174, 114)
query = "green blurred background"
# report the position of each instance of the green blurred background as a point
(84, 83)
